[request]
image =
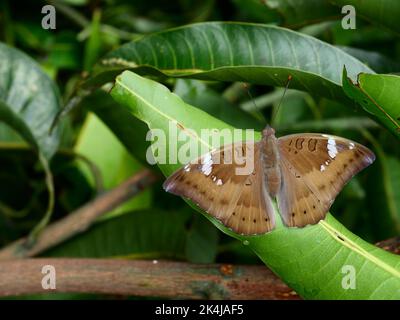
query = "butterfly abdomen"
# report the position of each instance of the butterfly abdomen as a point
(271, 167)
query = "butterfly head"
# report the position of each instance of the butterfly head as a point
(268, 131)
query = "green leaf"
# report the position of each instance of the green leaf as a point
(29, 101)
(379, 95)
(309, 259)
(382, 12)
(147, 234)
(225, 51)
(31, 98)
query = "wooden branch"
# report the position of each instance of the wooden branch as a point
(391, 245)
(81, 219)
(163, 279)
(176, 280)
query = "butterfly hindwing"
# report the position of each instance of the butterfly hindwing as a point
(236, 198)
(315, 167)
(253, 211)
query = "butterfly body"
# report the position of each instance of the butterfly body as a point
(270, 161)
(303, 172)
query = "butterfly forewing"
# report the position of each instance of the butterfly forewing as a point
(227, 183)
(315, 167)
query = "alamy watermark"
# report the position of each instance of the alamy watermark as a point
(349, 278)
(349, 20)
(49, 278)
(186, 145)
(49, 19)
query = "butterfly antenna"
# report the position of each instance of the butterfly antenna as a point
(256, 109)
(275, 111)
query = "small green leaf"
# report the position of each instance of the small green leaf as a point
(379, 95)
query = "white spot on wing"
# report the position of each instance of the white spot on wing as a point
(351, 145)
(187, 168)
(332, 150)
(219, 182)
(207, 164)
(322, 168)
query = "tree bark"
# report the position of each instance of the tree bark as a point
(164, 279)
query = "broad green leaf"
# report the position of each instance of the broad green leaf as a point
(147, 234)
(299, 13)
(224, 51)
(312, 260)
(17, 124)
(382, 12)
(98, 144)
(29, 100)
(379, 95)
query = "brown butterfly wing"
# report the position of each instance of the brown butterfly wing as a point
(239, 201)
(315, 167)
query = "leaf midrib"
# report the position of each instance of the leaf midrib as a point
(180, 127)
(335, 234)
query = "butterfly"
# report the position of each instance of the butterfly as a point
(303, 172)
